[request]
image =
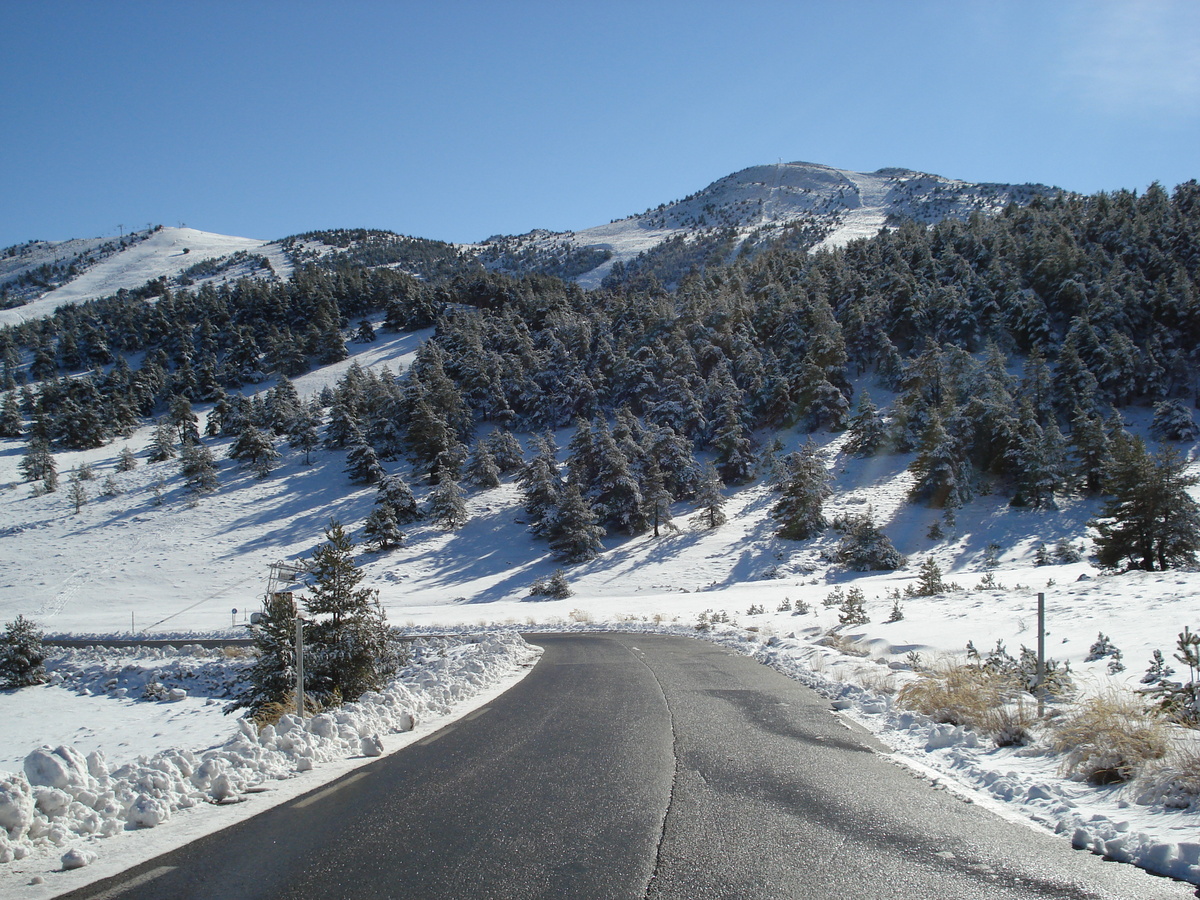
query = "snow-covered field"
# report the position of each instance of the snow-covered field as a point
(147, 560)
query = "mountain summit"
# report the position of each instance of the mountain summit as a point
(815, 206)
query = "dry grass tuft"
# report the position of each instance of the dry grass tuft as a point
(843, 645)
(958, 694)
(1173, 782)
(1109, 738)
(271, 713)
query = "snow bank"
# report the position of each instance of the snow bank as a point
(1150, 827)
(64, 801)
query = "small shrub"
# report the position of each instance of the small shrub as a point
(1109, 738)
(756, 609)
(897, 613)
(785, 606)
(801, 608)
(834, 598)
(554, 585)
(1103, 648)
(1066, 552)
(853, 610)
(929, 580)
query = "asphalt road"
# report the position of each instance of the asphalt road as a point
(631, 766)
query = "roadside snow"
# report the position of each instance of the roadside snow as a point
(68, 818)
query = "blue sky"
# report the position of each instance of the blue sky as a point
(458, 120)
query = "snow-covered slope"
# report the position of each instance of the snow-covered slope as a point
(836, 205)
(163, 252)
(144, 558)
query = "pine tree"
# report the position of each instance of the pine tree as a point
(304, 434)
(184, 421)
(1150, 521)
(506, 450)
(941, 474)
(1173, 422)
(731, 442)
(126, 461)
(362, 464)
(11, 421)
(656, 500)
(37, 460)
(395, 494)
(162, 443)
(864, 548)
(22, 656)
(481, 469)
(574, 530)
(256, 449)
(1089, 450)
(198, 468)
(447, 508)
(798, 510)
(77, 493)
(710, 501)
(349, 637)
(867, 432)
(272, 677)
(381, 529)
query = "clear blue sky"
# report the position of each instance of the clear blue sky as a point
(458, 120)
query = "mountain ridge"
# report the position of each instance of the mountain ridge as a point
(815, 206)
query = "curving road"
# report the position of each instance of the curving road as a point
(635, 766)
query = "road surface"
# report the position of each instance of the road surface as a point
(636, 766)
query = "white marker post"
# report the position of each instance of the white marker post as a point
(299, 667)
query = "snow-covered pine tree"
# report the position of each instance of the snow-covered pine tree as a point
(349, 637)
(198, 468)
(506, 450)
(710, 500)
(798, 510)
(1173, 421)
(381, 529)
(272, 677)
(11, 421)
(362, 464)
(126, 461)
(1150, 521)
(37, 461)
(656, 501)
(866, 432)
(305, 431)
(77, 492)
(162, 442)
(394, 493)
(255, 448)
(481, 469)
(941, 474)
(22, 656)
(447, 507)
(572, 527)
(865, 548)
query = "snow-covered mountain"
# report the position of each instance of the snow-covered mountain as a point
(43, 275)
(821, 206)
(811, 205)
